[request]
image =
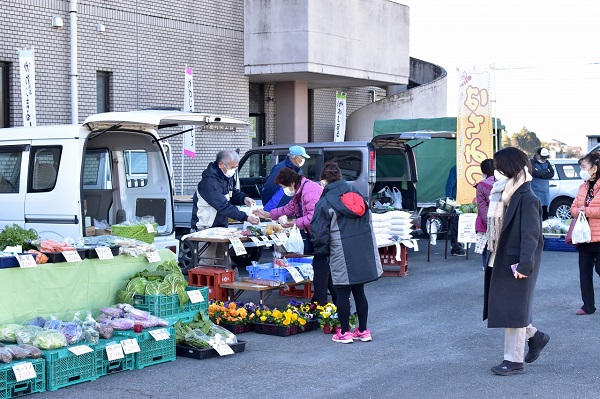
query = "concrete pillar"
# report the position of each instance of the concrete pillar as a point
(292, 112)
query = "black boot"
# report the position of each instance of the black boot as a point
(536, 344)
(508, 368)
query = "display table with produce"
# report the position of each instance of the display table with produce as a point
(236, 288)
(60, 289)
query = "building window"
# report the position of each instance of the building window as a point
(103, 91)
(4, 105)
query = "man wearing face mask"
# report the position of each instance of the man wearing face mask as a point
(272, 194)
(216, 199)
(542, 172)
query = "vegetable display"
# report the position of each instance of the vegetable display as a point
(201, 333)
(15, 235)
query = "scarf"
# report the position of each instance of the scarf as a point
(502, 192)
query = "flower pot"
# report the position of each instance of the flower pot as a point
(329, 329)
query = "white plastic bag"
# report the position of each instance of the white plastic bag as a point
(581, 231)
(294, 243)
(397, 197)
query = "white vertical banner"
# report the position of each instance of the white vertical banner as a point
(189, 138)
(340, 116)
(27, 72)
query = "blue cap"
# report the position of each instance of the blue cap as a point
(298, 150)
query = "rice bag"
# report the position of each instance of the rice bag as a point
(5, 355)
(27, 334)
(16, 351)
(8, 332)
(50, 339)
(37, 321)
(105, 331)
(32, 351)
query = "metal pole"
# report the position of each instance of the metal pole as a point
(74, 93)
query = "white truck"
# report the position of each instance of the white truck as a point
(54, 177)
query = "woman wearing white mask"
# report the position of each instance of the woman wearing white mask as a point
(305, 194)
(515, 242)
(588, 201)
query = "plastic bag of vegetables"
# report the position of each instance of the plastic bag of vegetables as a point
(198, 339)
(50, 339)
(227, 335)
(8, 332)
(27, 334)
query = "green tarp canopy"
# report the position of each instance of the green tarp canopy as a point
(434, 157)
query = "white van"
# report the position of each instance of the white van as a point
(52, 177)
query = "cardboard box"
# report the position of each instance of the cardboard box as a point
(102, 232)
(90, 231)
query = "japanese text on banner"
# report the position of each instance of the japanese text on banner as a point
(340, 116)
(189, 138)
(27, 72)
(474, 138)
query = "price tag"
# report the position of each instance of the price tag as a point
(223, 349)
(276, 239)
(153, 256)
(26, 260)
(104, 253)
(257, 241)
(71, 256)
(283, 237)
(114, 352)
(80, 349)
(24, 371)
(159, 334)
(195, 296)
(130, 346)
(238, 247)
(295, 273)
(306, 270)
(150, 228)
(266, 240)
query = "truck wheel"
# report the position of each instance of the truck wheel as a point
(561, 208)
(253, 254)
(185, 255)
(441, 225)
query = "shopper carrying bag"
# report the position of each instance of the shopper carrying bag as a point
(581, 232)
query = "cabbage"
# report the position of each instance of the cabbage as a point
(50, 339)
(153, 288)
(137, 285)
(8, 332)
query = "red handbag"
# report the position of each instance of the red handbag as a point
(568, 237)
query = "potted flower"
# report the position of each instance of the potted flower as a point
(234, 316)
(276, 322)
(328, 318)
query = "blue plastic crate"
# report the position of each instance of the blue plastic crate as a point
(305, 260)
(105, 366)
(151, 351)
(10, 388)
(558, 244)
(266, 271)
(64, 368)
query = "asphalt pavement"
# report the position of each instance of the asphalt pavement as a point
(429, 341)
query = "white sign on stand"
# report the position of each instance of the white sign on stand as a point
(276, 239)
(24, 371)
(159, 334)
(223, 349)
(153, 256)
(71, 256)
(294, 273)
(104, 253)
(266, 241)
(26, 260)
(80, 349)
(238, 247)
(114, 352)
(195, 296)
(466, 228)
(257, 241)
(130, 346)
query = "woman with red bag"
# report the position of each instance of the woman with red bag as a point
(588, 201)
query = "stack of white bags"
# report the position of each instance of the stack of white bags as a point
(392, 226)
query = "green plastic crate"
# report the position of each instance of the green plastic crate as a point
(10, 388)
(151, 351)
(186, 317)
(105, 366)
(168, 305)
(64, 368)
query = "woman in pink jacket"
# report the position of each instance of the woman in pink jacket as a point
(305, 194)
(483, 201)
(588, 201)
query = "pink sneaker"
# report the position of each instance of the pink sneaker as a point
(364, 336)
(345, 338)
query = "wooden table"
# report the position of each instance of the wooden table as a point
(226, 261)
(448, 217)
(235, 289)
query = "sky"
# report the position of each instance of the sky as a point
(544, 57)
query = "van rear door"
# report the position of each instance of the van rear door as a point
(13, 182)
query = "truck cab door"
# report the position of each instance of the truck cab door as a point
(253, 170)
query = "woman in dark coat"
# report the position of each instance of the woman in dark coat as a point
(515, 242)
(342, 229)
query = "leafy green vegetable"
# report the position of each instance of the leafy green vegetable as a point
(16, 235)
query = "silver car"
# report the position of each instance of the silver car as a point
(563, 187)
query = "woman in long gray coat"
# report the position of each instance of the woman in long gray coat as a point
(515, 241)
(342, 229)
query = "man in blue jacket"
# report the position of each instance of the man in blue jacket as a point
(542, 173)
(216, 199)
(272, 194)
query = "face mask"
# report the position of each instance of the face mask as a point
(301, 162)
(230, 172)
(288, 191)
(499, 176)
(584, 174)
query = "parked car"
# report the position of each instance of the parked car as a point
(563, 187)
